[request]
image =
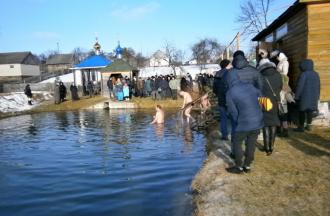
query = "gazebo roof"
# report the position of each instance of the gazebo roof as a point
(95, 61)
(118, 65)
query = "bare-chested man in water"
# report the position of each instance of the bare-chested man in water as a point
(159, 117)
(187, 104)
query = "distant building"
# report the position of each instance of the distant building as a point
(192, 62)
(16, 66)
(301, 32)
(60, 63)
(159, 59)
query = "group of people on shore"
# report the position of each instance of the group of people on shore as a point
(241, 90)
(157, 87)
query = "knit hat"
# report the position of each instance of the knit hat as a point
(238, 53)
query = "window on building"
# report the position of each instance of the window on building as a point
(11, 66)
(281, 31)
(269, 38)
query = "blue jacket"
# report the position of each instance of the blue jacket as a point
(308, 87)
(243, 105)
(246, 72)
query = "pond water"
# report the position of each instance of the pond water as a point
(97, 163)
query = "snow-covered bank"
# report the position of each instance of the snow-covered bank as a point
(66, 78)
(17, 101)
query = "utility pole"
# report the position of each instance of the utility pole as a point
(238, 38)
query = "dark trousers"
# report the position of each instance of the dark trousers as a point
(174, 94)
(302, 117)
(250, 138)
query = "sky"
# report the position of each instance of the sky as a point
(145, 25)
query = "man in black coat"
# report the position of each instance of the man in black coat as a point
(307, 93)
(110, 87)
(245, 71)
(220, 88)
(62, 91)
(28, 93)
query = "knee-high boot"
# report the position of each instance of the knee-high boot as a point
(272, 136)
(266, 132)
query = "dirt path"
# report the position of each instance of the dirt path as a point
(295, 180)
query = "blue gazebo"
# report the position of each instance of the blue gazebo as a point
(89, 70)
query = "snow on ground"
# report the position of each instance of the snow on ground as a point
(66, 78)
(17, 101)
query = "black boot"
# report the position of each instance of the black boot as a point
(265, 132)
(272, 136)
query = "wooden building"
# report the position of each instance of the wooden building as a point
(302, 31)
(17, 66)
(118, 68)
(60, 63)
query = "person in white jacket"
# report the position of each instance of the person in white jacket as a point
(283, 64)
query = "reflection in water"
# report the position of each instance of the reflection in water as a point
(188, 135)
(63, 120)
(159, 130)
(97, 163)
(32, 130)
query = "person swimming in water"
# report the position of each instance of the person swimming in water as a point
(205, 103)
(187, 104)
(159, 117)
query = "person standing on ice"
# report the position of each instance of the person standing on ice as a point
(28, 93)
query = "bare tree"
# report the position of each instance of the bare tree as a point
(140, 60)
(174, 56)
(129, 55)
(178, 57)
(206, 51)
(254, 16)
(78, 54)
(51, 53)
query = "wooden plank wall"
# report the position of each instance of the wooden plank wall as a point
(319, 43)
(294, 44)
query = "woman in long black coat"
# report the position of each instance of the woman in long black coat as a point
(272, 85)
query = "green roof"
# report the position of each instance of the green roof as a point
(118, 65)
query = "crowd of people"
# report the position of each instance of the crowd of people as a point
(239, 87)
(157, 87)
